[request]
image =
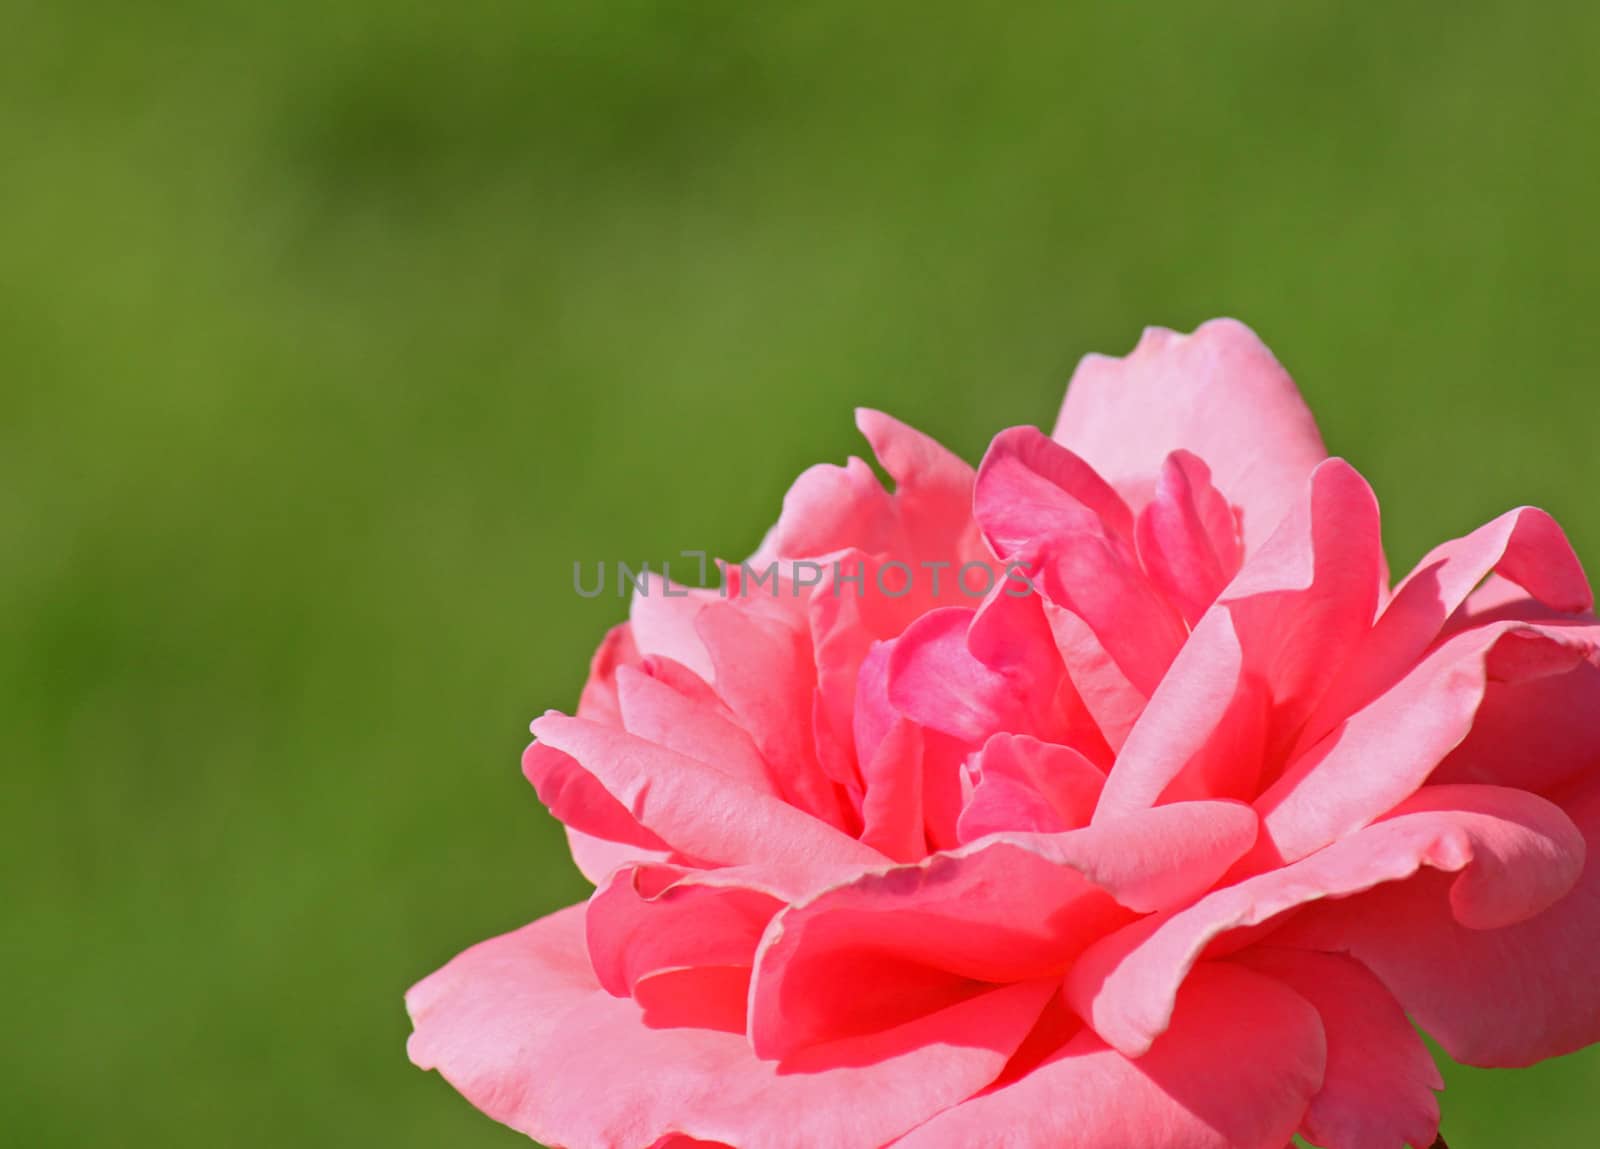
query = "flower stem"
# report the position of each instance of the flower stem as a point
(1439, 1144)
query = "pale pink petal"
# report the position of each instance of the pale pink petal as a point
(1188, 536)
(933, 489)
(699, 812)
(1379, 1088)
(830, 508)
(1515, 854)
(1236, 1071)
(1193, 710)
(762, 669)
(1500, 997)
(662, 620)
(1218, 393)
(520, 1026)
(580, 801)
(654, 711)
(598, 858)
(928, 516)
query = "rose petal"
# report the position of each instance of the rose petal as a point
(897, 943)
(1386, 750)
(1378, 1090)
(1218, 393)
(699, 812)
(520, 1026)
(649, 918)
(1259, 660)
(1030, 488)
(1503, 997)
(1028, 785)
(1236, 1071)
(1188, 536)
(1515, 854)
(1525, 545)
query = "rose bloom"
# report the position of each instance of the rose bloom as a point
(1159, 853)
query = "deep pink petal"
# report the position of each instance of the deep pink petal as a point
(935, 680)
(1030, 488)
(1498, 997)
(1525, 546)
(581, 802)
(847, 616)
(1260, 659)
(1385, 751)
(599, 699)
(650, 918)
(1218, 393)
(897, 943)
(1514, 853)
(892, 809)
(1188, 536)
(1117, 635)
(1379, 1088)
(1538, 734)
(1022, 783)
(1236, 1071)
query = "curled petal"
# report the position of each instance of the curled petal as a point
(521, 1027)
(1260, 659)
(1237, 1069)
(1515, 855)
(1378, 1090)
(1189, 536)
(1501, 997)
(1030, 488)
(897, 943)
(1021, 783)
(1525, 546)
(1385, 751)
(698, 811)
(649, 918)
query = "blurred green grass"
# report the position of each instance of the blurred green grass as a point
(331, 336)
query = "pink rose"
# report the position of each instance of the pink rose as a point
(1157, 854)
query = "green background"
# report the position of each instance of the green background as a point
(331, 335)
